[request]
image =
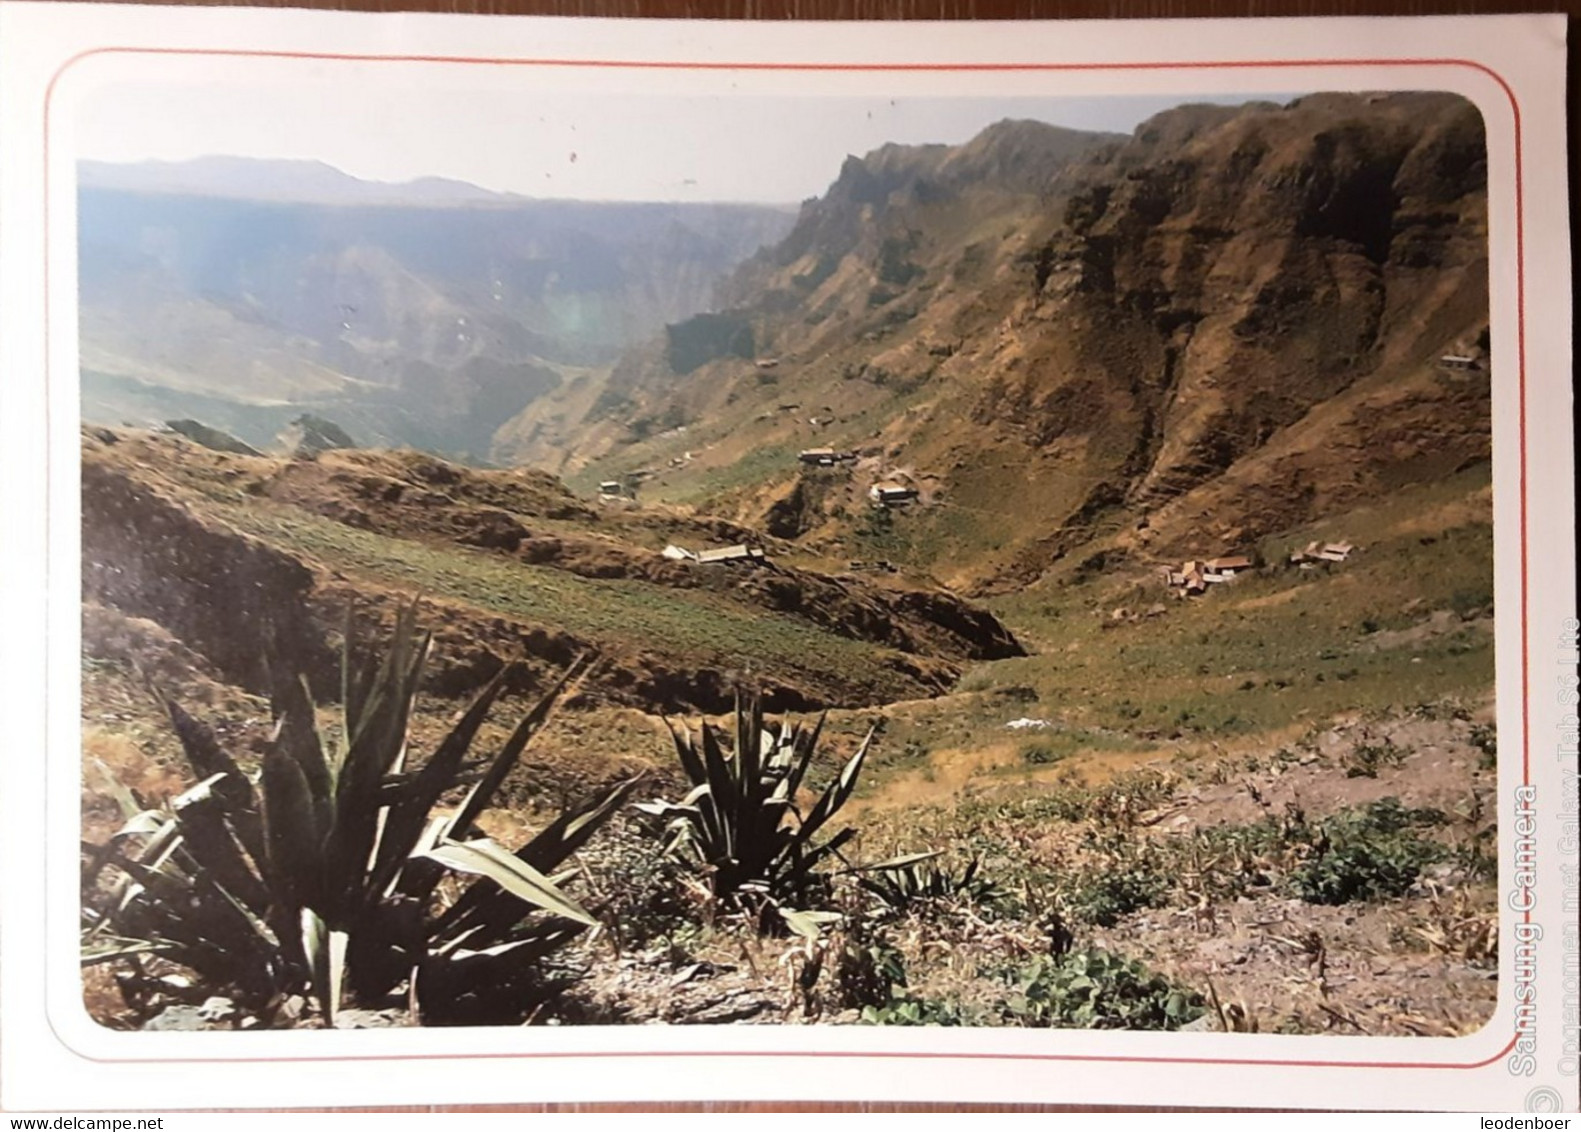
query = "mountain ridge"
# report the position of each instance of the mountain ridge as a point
(1062, 364)
(311, 181)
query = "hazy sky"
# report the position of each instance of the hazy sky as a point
(588, 145)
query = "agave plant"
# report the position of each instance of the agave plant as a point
(742, 825)
(916, 880)
(323, 876)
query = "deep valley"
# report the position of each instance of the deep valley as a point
(1113, 511)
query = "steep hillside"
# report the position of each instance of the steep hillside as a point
(898, 229)
(1085, 349)
(424, 314)
(213, 546)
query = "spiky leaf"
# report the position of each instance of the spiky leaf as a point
(484, 857)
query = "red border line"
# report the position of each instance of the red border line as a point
(906, 1055)
(640, 64)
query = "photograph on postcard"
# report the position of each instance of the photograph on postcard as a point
(599, 558)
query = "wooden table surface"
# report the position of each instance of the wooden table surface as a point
(918, 10)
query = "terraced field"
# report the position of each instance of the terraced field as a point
(697, 623)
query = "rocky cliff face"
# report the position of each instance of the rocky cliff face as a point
(1264, 264)
(1236, 288)
(1072, 336)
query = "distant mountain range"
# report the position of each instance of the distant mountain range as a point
(300, 182)
(243, 292)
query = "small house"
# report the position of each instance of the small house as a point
(1315, 551)
(1223, 569)
(823, 457)
(892, 494)
(1305, 554)
(1459, 363)
(741, 552)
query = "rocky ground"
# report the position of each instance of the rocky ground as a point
(1341, 883)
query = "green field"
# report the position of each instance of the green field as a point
(696, 623)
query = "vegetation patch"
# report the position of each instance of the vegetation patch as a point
(1125, 878)
(1097, 990)
(691, 622)
(1372, 853)
(322, 879)
(742, 827)
(920, 884)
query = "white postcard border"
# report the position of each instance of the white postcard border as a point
(53, 1056)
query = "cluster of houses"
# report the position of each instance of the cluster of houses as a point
(1196, 575)
(884, 493)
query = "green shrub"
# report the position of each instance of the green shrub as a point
(1372, 853)
(1040, 753)
(1096, 989)
(873, 975)
(1368, 758)
(1485, 738)
(1108, 895)
(868, 970)
(1384, 817)
(1471, 601)
(1357, 872)
(910, 1010)
(1126, 877)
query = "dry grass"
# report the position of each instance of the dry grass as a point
(1460, 927)
(109, 753)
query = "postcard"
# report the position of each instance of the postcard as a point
(571, 560)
